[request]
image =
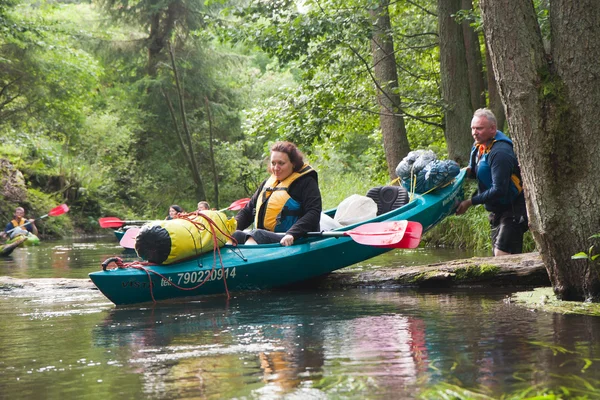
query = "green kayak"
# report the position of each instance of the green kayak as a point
(30, 240)
(11, 245)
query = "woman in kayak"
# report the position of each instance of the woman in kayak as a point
(174, 210)
(287, 205)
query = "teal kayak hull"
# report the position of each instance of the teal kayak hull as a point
(260, 267)
(119, 234)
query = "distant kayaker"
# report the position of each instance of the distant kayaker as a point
(203, 206)
(173, 211)
(288, 202)
(494, 164)
(22, 224)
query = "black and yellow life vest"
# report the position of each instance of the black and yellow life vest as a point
(22, 222)
(276, 210)
(479, 157)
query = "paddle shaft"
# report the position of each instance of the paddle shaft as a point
(25, 224)
(347, 233)
(379, 234)
(59, 210)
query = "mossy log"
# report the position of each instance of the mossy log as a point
(518, 270)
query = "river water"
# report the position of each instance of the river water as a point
(286, 344)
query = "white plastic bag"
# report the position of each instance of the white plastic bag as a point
(327, 223)
(355, 209)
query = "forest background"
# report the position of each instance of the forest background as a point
(122, 108)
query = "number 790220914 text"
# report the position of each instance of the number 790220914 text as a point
(216, 274)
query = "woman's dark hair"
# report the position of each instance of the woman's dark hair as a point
(177, 208)
(296, 157)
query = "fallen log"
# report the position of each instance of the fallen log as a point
(517, 270)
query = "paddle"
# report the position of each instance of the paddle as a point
(128, 239)
(237, 205)
(114, 222)
(59, 210)
(391, 234)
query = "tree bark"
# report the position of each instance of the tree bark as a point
(391, 121)
(162, 23)
(474, 61)
(551, 104)
(495, 102)
(455, 83)
(185, 136)
(212, 152)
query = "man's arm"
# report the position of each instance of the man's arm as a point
(32, 228)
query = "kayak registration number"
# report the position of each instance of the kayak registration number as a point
(186, 278)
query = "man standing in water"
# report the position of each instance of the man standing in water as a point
(494, 164)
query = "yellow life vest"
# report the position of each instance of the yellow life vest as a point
(15, 224)
(276, 211)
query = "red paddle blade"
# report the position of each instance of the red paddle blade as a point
(238, 204)
(128, 239)
(60, 210)
(392, 234)
(111, 222)
(412, 237)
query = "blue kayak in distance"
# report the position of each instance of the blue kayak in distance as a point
(262, 267)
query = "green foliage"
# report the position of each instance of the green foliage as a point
(87, 122)
(330, 43)
(591, 254)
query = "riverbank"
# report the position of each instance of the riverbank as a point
(524, 272)
(521, 271)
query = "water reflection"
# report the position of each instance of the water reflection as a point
(311, 344)
(348, 343)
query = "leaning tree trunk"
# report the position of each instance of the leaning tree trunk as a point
(454, 73)
(185, 136)
(551, 104)
(474, 60)
(495, 102)
(391, 121)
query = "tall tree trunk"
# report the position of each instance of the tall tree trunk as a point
(393, 130)
(455, 83)
(212, 152)
(495, 102)
(551, 105)
(186, 136)
(474, 61)
(162, 24)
